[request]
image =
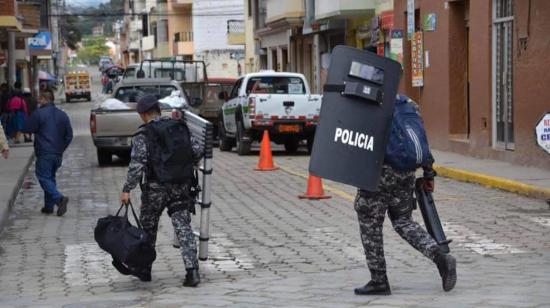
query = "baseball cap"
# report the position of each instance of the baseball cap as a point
(145, 103)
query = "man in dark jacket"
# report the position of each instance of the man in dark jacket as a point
(53, 134)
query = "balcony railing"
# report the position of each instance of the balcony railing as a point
(186, 36)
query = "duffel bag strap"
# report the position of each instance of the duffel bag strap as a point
(129, 204)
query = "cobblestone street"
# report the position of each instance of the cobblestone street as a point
(268, 248)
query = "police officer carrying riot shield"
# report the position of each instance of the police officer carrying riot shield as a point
(395, 196)
(162, 163)
(373, 139)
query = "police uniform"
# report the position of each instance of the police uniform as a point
(395, 196)
(156, 197)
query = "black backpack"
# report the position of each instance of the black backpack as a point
(170, 151)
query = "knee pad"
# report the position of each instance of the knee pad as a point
(402, 210)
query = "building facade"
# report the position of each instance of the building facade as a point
(484, 75)
(219, 37)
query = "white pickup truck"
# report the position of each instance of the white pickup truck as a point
(275, 101)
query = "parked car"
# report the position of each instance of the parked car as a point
(77, 85)
(275, 101)
(112, 129)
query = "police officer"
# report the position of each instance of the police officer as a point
(156, 196)
(395, 196)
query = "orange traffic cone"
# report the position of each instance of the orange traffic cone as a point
(314, 189)
(266, 160)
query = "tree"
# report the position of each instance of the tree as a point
(92, 48)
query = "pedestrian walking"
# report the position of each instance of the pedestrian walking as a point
(17, 112)
(395, 196)
(163, 155)
(4, 143)
(52, 135)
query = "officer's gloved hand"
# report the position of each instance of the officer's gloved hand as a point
(429, 183)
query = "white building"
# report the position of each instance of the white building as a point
(212, 44)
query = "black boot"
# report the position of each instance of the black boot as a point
(374, 288)
(192, 278)
(446, 264)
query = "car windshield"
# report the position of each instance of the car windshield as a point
(275, 85)
(133, 94)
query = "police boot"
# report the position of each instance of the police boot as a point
(192, 278)
(374, 288)
(446, 264)
(144, 274)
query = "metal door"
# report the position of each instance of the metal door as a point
(503, 108)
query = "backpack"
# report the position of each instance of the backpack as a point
(407, 147)
(170, 151)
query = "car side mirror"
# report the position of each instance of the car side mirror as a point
(222, 96)
(140, 74)
(196, 101)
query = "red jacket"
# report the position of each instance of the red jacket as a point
(17, 103)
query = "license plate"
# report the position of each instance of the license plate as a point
(289, 128)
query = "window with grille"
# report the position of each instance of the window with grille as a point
(503, 111)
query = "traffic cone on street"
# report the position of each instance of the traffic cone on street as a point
(314, 189)
(266, 160)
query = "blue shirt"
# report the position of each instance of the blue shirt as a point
(51, 128)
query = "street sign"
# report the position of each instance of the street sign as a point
(542, 132)
(356, 111)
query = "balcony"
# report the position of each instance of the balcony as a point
(284, 9)
(343, 8)
(235, 32)
(8, 11)
(184, 48)
(148, 42)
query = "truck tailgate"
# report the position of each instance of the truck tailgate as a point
(117, 123)
(288, 105)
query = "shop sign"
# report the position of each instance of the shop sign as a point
(410, 19)
(396, 46)
(429, 21)
(41, 40)
(542, 132)
(386, 20)
(417, 60)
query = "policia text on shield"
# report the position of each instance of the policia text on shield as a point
(360, 116)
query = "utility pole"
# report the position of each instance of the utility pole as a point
(55, 36)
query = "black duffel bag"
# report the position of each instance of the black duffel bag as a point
(126, 243)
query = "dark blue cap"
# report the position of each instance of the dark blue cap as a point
(145, 103)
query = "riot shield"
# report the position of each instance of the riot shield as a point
(356, 112)
(429, 214)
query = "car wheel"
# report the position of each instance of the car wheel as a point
(243, 147)
(104, 157)
(68, 99)
(226, 143)
(291, 145)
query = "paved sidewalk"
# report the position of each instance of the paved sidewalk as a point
(12, 172)
(529, 181)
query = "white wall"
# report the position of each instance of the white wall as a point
(220, 64)
(210, 23)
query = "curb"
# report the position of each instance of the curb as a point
(493, 181)
(4, 213)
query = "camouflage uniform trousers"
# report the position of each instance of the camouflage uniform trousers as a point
(175, 197)
(395, 191)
